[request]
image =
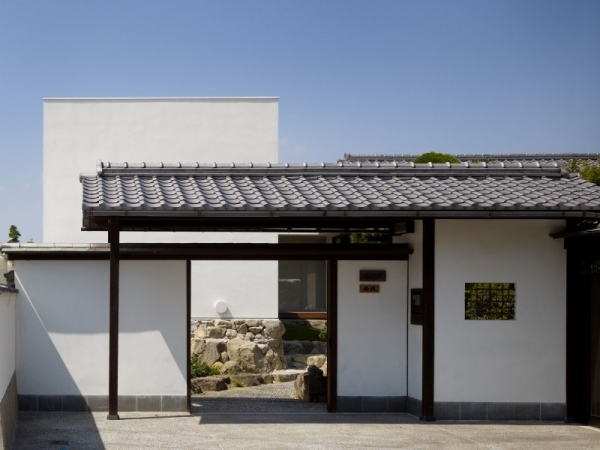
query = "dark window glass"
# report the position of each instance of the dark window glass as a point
(489, 301)
(302, 286)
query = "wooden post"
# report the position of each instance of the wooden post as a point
(332, 322)
(188, 316)
(113, 340)
(427, 400)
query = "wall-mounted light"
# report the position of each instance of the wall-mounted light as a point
(221, 307)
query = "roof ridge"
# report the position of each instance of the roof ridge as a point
(161, 168)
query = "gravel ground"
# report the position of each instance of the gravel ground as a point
(275, 398)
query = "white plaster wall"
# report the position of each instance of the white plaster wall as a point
(63, 320)
(154, 328)
(372, 362)
(78, 132)
(249, 288)
(415, 332)
(522, 360)
(7, 339)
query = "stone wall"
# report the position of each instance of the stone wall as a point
(240, 345)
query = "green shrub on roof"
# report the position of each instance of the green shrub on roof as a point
(434, 157)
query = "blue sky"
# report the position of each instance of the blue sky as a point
(352, 76)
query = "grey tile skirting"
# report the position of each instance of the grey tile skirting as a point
(371, 404)
(81, 403)
(499, 411)
(9, 412)
(414, 406)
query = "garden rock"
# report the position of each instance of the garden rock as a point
(206, 384)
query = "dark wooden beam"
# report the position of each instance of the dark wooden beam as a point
(332, 334)
(188, 317)
(244, 223)
(228, 251)
(113, 339)
(427, 400)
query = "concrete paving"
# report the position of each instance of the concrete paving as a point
(66, 431)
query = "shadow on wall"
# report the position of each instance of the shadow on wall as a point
(32, 328)
(63, 323)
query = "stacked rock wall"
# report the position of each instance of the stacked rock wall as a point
(240, 345)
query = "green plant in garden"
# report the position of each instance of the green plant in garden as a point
(238, 383)
(304, 333)
(199, 368)
(323, 335)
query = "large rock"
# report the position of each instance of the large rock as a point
(205, 384)
(307, 346)
(212, 351)
(231, 334)
(219, 323)
(200, 332)
(276, 359)
(231, 367)
(197, 346)
(300, 387)
(216, 333)
(292, 347)
(273, 328)
(323, 347)
(316, 360)
(210, 332)
(241, 328)
(248, 356)
(312, 386)
(299, 358)
(253, 380)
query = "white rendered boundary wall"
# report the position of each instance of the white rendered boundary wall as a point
(7, 339)
(62, 335)
(78, 132)
(415, 332)
(521, 360)
(9, 408)
(372, 364)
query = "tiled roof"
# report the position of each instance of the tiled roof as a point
(392, 189)
(561, 158)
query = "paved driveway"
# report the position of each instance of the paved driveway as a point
(263, 431)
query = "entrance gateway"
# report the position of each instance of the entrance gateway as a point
(479, 231)
(349, 347)
(344, 199)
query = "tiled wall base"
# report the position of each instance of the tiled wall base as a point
(371, 404)
(9, 412)
(456, 410)
(492, 410)
(414, 406)
(100, 403)
(499, 411)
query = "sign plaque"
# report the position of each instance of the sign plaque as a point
(369, 289)
(372, 275)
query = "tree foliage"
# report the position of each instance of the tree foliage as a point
(13, 234)
(370, 238)
(434, 157)
(588, 170)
